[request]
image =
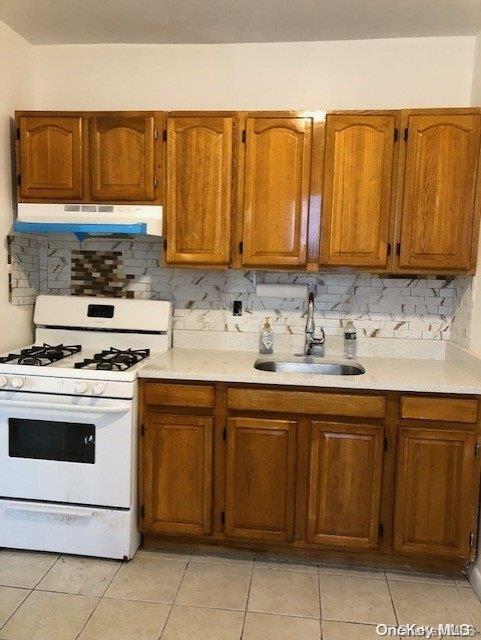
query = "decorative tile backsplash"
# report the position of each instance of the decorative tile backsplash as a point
(98, 273)
(420, 309)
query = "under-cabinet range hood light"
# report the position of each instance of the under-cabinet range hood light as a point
(89, 219)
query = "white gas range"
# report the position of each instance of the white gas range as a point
(68, 425)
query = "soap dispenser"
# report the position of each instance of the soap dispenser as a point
(266, 339)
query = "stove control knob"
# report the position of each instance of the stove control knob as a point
(17, 383)
(99, 388)
(81, 387)
(3, 381)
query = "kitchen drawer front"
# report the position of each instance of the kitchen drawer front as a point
(445, 409)
(179, 395)
(334, 404)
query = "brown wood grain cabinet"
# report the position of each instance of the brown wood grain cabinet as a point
(435, 496)
(50, 157)
(121, 157)
(387, 191)
(391, 487)
(358, 197)
(345, 484)
(275, 191)
(198, 203)
(178, 474)
(260, 472)
(439, 211)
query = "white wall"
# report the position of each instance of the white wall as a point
(386, 73)
(16, 92)
(475, 340)
(476, 84)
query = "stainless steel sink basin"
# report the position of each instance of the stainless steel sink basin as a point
(327, 367)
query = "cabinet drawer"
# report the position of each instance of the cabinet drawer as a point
(179, 395)
(334, 404)
(448, 409)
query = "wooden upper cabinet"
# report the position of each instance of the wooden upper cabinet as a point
(439, 223)
(199, 189)
(50, 155)
(435, 497)
(275, 191)
(358, 190)
(260, 477)
(178, 474)
(345, 484)
(121, 157)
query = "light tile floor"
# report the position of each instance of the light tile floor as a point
(168, 596)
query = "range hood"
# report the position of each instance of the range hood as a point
(89, 219)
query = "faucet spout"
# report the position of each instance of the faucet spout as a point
(313, 343)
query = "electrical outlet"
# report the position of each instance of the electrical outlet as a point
(237, 308)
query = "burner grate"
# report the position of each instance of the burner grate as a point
(113, 359)
(41, 355)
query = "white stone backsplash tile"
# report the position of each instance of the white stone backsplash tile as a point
(420, 309)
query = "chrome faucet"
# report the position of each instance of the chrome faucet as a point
(314, 345)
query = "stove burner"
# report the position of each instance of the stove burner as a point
(114, 359)
(41, 356)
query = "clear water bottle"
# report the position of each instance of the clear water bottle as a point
(350, 340)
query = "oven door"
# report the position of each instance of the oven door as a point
(66, 449)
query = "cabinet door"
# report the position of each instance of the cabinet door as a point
(435, 492)
(50, 157)
(276, 191)
(121, 157)
(345, 484)
(178, 474)
(358, 181)
(438, 210)
(261, 469)
(199, 189)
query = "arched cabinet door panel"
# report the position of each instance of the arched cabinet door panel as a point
(276, 191)
(121, 156)
(358, 190)
(199, 189)
(50, 155)
(439, 197)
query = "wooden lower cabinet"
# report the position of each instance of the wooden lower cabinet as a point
(178, 474)
(237, 465)
(345, 484)
(436, 475)
(261, 479)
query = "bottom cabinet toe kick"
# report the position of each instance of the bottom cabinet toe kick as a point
(383, 479)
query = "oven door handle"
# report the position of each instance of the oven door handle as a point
(52, 511)
(70, 408)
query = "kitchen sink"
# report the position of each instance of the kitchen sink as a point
(305, 365)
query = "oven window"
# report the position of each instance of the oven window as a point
(51, 440)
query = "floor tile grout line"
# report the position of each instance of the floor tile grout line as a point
(246, 608)
(16, 608)
(392, 601)
(48, 571)
(99, 601)
(174, 599)
(466, 608)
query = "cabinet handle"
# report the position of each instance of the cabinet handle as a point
(398, 248)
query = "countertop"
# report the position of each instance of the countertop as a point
(390, 374)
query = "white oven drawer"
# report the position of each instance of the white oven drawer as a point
(67, 449)
(105, 533)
